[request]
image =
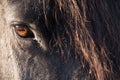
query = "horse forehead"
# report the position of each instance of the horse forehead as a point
(16, 12)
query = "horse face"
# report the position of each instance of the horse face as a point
(59, 40)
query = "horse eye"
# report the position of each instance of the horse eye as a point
(23, 31)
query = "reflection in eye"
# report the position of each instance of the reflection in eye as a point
(23, 31)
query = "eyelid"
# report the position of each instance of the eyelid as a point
(19, 24)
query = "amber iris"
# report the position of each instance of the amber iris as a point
(22, 31)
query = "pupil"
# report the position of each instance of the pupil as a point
(21, 29)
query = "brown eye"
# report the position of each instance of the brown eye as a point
(23, 31)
